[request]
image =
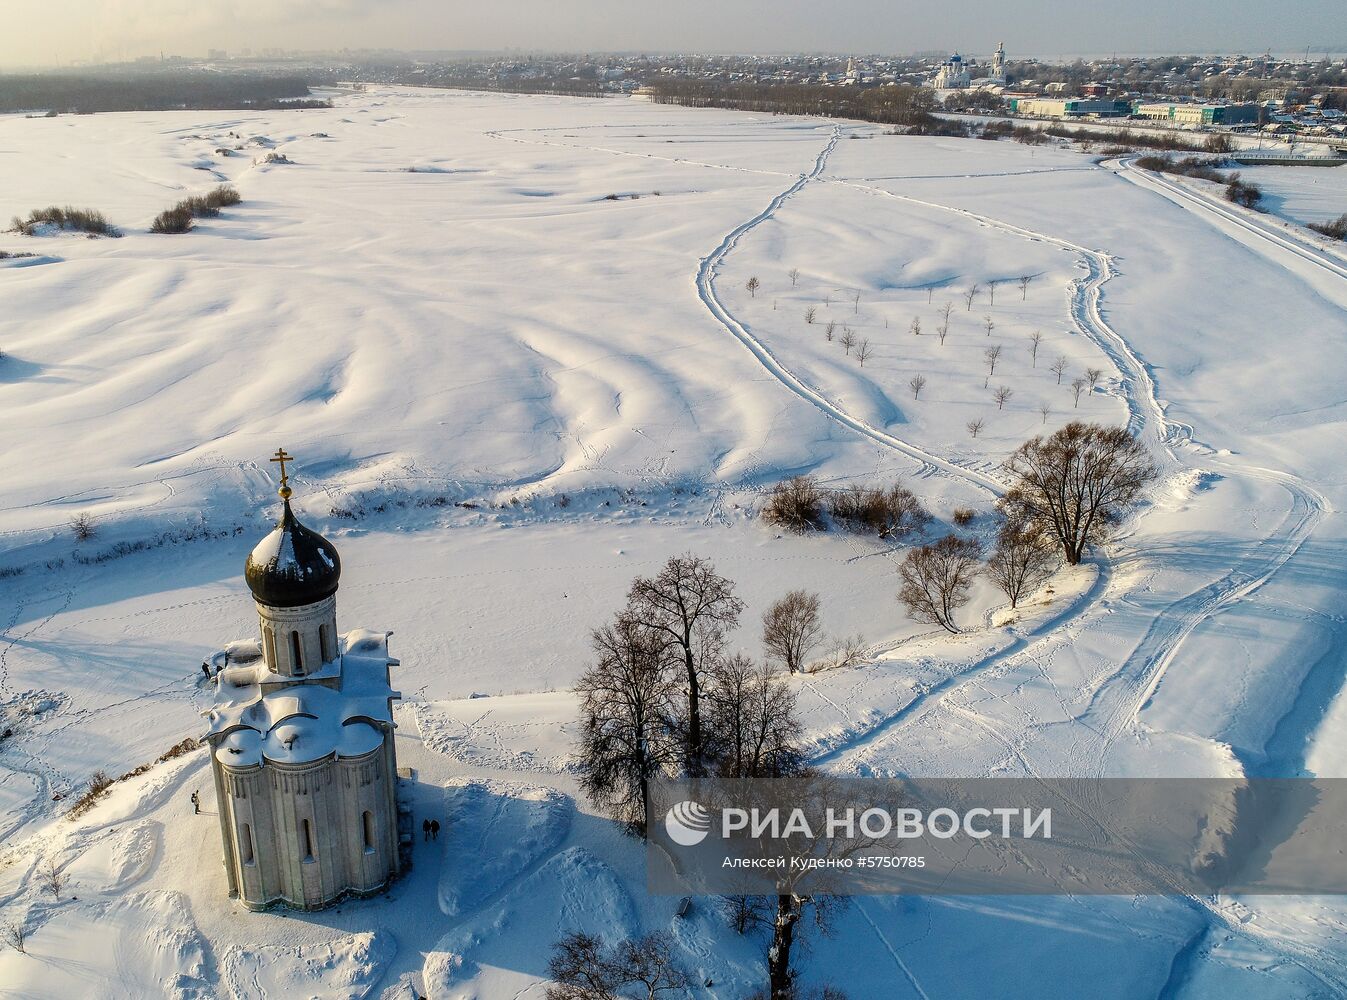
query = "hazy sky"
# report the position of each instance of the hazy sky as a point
(47, 32)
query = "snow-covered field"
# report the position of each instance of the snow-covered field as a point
(510, 393)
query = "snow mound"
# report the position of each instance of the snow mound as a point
(521, 822)
(142, 945)
(119, 860)
(503, 951)
(346, 968)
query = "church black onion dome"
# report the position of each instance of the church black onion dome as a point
(292, 566)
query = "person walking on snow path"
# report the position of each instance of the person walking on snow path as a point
(434, 829)
(425, 828)
(196, 802)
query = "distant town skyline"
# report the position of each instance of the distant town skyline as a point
(118, 30)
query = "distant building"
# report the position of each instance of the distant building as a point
(1200, 114)
(998, 68)
(301, 736)
(952, 74)
(1069, 107)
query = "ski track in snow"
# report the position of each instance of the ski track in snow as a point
(1115, 708)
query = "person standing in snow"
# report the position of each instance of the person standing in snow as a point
(425, 828)
(196, 802)
(434, 829)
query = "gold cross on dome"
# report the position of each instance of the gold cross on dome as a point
(281, 457)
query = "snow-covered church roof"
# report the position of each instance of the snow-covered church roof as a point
(344, 708)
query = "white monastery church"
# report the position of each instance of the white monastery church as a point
(301, 735)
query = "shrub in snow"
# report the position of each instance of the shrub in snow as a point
(887, 513)
(177, 219)
(796, 505)
(84, 220)
(1336, 229)
(82, 525)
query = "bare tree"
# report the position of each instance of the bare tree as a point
(828, 330)
(1059, 367)
(949, 308)
(1077, 483)
(1077, 387)
(863, 352)
(82, 526)
(1045, 409)
(794, 274)
(975, 426)
(916, 383)
(991, 355)
(52, 878)
(1094, 375)
(930, 291)
(848, 339)
(987, 320)
(583, 969)
(752, 712)
(991, 289)
(1024, 286)
(747, 913)
(1023, 558)
(1035, 339)
(916, 326)
(828, 300)
(937, 578)
(626, 700)
(856, 303)
(16, 933)
(753, 285)
(690, 607)
(942, 331)
(791, 628)
(1001, 394)
(810, 313)
(970, 295)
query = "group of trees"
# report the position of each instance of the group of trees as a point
(908, 107)
(159, 91)
(665, 698)
(1071, 488)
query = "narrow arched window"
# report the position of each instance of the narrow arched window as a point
(368, 818)
(246, 844)
(296, 652)
(269, 646)
(325, 643)
(308, 841)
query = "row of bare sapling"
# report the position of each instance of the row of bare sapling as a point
(1069, 490)
(666, 698)
(179, 218)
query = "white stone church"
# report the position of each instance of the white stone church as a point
(301, 736)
